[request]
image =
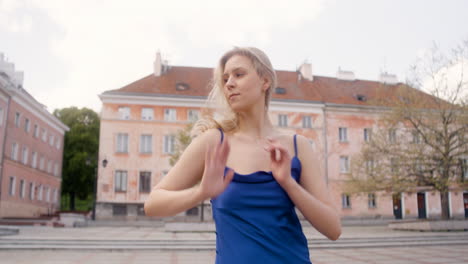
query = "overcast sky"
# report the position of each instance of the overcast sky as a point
(70, 51)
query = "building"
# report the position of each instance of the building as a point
(139, 121)
(31, 141)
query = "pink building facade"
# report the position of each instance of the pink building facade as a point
(139, 123)
(31, 141)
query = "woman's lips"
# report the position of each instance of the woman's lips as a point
(232, 96)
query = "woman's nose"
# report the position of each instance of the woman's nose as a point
(230, 83)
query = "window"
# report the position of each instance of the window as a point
(371, 200)
(36, 131)
(57, 145)
(120, 181)
(56, 169)
(49, 166)
(124, 113)
(280, 90)
(14, 151)
(55, 200)
(17, 119)
(343, 134)
(146, 143)
(416, 137)
(345, 201)
(344, 164)
(170, 115)
(119, 209)
(26, 125)
(1, 116)
(47, 191)
(147, 114)
(39, 193)
(145, 181)
(370, 165)
(51, 140)
(192, 115)
(22, 188)
(44, 135)
(169, 144)
(367, 134)
(31, 191)
(307, 122)
(12, 186)
(122, 142)
(282, 120)
(34, 160)
(24, 155)
(393, 165)
(41, 163)
(392, 135)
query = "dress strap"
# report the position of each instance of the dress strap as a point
(222, 134)
(295, 144)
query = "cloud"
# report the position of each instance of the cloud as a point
(107, 44)
(11, 20)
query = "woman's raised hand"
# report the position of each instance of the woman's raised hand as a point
(280, 161)
(214, 181)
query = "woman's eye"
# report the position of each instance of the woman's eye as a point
(239, 74)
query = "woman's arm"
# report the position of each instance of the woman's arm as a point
(311, 195)
(204, 159)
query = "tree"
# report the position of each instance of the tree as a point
(421, 139)
(80, 151)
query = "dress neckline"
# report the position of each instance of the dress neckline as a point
(263, 171)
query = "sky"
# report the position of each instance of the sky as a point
(71, 51)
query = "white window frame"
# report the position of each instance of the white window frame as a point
(27, 125)
(121, 143)
(42, 163)
(120, 180)
(36, 131)
(55, 169)
(22, 188)
(124, 112)
(282, 120)
(24, 155)
(345, 201)
(49, 166)
(14, 151)
(169, 144)
(34, 159)
(32, 191)
(39, 193)
(51, 140)
(344, 164)
(147, 113)
(146, 143)
(57, 145)
(306, 122)
(343, 134)
(367, 134)
(17, 119)
(47, 191)
(12, 186)
(44, 135)
(193, 115)
(170, 114)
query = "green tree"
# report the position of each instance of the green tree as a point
(183, 139)
(420, 141)
(80, 152)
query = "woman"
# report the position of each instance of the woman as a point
(243, 164)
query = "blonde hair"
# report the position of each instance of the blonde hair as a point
(218, 113)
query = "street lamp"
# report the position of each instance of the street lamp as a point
(104, 164)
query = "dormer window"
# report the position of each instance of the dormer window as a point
(182, 87)
(280, 90)
(361, 98)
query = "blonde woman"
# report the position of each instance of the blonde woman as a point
(254, 175)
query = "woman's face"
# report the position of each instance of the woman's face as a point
(243, 88)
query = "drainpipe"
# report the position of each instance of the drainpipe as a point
(4, 143)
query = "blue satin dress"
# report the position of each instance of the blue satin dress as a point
(256, 221)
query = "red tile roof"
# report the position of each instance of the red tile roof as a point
(321, 89)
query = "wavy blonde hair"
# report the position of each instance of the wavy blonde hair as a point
(218, 113)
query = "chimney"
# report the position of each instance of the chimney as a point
(387, 78)
(158, 64)
(306, 71)
(345, 75)
(16, 77)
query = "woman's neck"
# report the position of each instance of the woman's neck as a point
(255, 124)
